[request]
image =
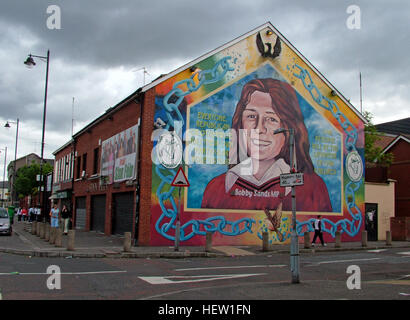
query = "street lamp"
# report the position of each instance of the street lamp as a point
(294, 245)
(13, 182)
(30, 64)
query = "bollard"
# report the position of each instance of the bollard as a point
(42, 230)
(338, 239)
(364, 238)
(127, 241)
(265, 241)
(38, 228)
(58, 237)
(52, 235)
(33, 227)
(307, 240)
(388, 238)
(47, 233)
(208, 241)
(71, 239)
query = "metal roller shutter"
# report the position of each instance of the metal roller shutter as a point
(98, 213)
(123, 208)
(80, 213)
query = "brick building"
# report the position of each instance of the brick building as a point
(26, 160)
(102, 200)
(395, 138)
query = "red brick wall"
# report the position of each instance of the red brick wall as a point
(124, 118)
(400, 171)
(147, 126)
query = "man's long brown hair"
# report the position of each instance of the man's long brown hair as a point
(286, 105)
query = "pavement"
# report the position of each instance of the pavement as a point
(91, 244)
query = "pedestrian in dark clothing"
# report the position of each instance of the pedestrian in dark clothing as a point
(66, 216)
(317, 225)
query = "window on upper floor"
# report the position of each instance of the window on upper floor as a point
(78, 171)
(84, 163)
(96, 160)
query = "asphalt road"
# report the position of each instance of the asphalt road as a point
(384, 274)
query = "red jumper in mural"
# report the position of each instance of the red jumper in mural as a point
(253, 183)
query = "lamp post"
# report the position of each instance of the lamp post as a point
(13, 182)
(294, 245)
(30, 63)
(4, 175)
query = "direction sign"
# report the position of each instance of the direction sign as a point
(291, 179)
(180, 179)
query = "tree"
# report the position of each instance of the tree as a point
(372, 152)
(26, 179)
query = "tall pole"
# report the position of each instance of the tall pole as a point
(360, 79)
(42, 180)
(294, 247)
(13, 184)
(72, 118)
(4, 175)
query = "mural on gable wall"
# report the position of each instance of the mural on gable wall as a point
(226, 111)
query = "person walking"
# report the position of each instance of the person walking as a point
(66, 216)
(37, 212)
(54, 213)
(30, 214)
(317, 225)
(19, 214)
(24, 213)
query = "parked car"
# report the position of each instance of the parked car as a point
(5, 225)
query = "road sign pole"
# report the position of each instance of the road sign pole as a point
(294, 247)
(178, 224)
(180, 180)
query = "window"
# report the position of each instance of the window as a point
(78, 173)
(96, 160)
(56, 171)
(84, 163)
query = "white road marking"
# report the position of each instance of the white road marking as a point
(63, 273)
(404, 253)
(377, 250)
(168, 279)
(340, 261)
(235, 267)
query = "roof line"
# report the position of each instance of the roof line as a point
(108, 112)
(394, 142)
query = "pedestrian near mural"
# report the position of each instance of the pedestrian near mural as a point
(317, 225)
(66, 216)
(54, 213)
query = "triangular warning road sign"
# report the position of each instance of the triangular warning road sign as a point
(180, 179)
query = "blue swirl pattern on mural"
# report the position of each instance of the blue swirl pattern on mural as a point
(167, 220)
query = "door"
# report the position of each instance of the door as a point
(122, 219)
(98, 213)
(80, 213)
(371, 221)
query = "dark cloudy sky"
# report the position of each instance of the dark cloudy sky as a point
(96, 54)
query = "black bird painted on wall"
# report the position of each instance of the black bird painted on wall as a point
(261, 47)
